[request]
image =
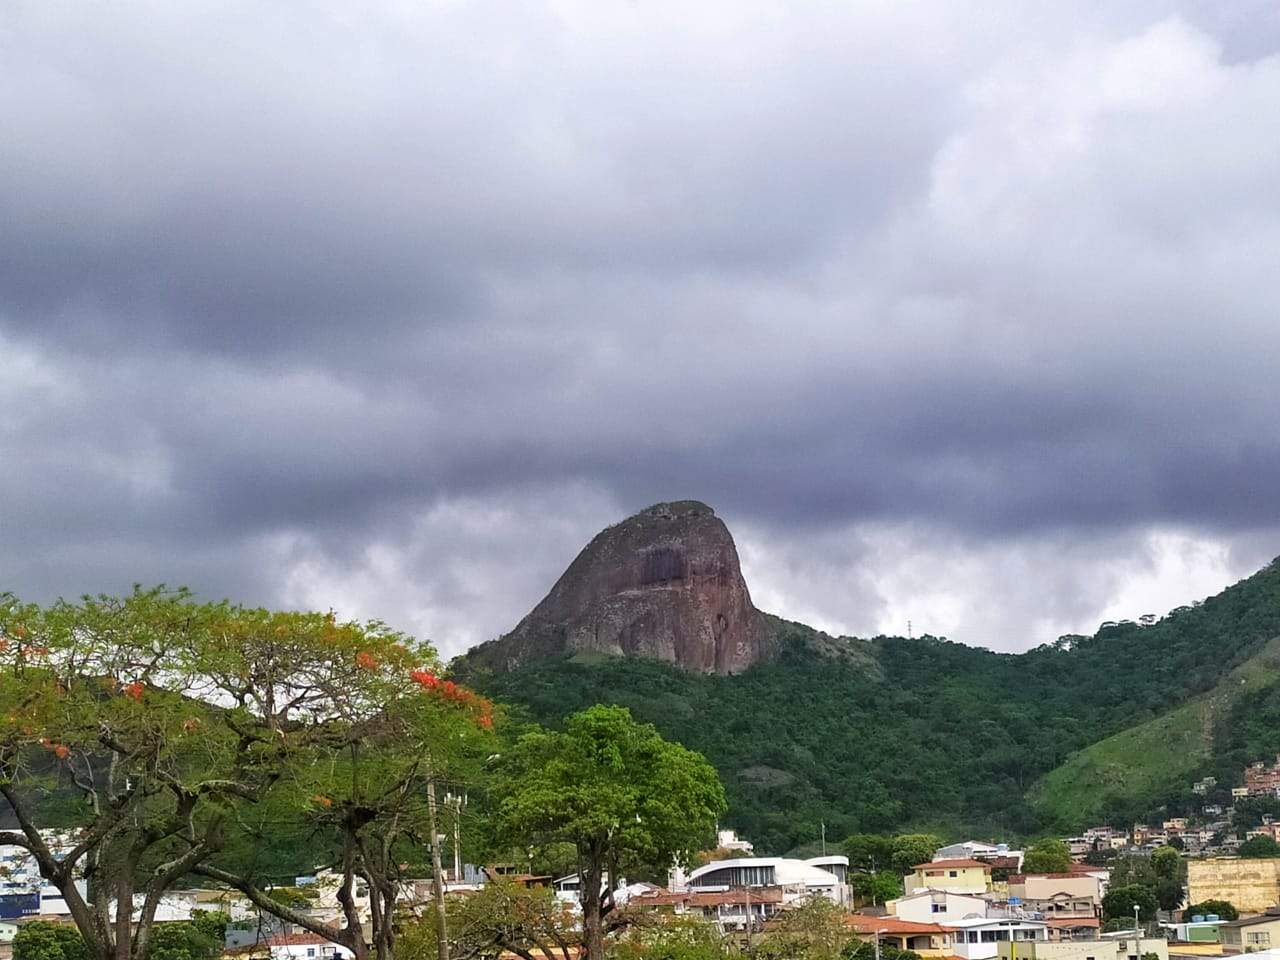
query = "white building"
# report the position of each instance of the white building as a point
(796, 879)
(977, 850)
(979, 938)
(294, 946)
(938, 906)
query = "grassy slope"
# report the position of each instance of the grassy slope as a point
(1152, 759)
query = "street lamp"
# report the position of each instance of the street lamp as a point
(1137, 946)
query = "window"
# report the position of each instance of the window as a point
(952, 873)
(1258, 938)
(311, 951)
(938, 908)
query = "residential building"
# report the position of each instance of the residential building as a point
(1108, 949)
(1250, 934)
(292, 946)
(980, 938)
(964, 875)
(1239, 793)
(796, 878)
(1078, 846)
(1175, 824)
(938, 906)
(1204, 786)
(991, 853)
(1057, 895)
(926, 939)
(738, 910)
(1262, 780)
(1195, 931)
(1251, 885)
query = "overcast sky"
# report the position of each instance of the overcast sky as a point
(958, 313)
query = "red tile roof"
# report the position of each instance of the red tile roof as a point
(951, 865)
(1072, 921)
(890, 925)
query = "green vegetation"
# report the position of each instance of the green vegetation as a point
(894, 734)
(1222, 909)
(45, 940)
(1259, 848)
(1119, 902)
(621, 795)
(1049, 855)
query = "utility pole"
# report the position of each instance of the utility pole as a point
(456, 801)
(437, 871)
(824, 838)
(878, 932)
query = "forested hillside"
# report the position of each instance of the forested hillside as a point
(896, 733)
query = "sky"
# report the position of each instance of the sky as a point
(962, 314)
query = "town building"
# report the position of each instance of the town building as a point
(1252, 885)
(1126, 948)
(996, 854)
(1057, 895)
(965, 875)
(1250, 934)
(979, 938)
(739, 910)
(938, 906)
(292, 946)
(796, 879)
(926, 939)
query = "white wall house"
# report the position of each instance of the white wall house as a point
(938, 906)
(980, 938)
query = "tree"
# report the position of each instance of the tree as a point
(869, 852)
(624, 797)
(1048, 855)
(44, 940)
(1259, 848)
(876, 888)
(1119, 902)
(201, 938)
(910, 849)
(870, 861)
(188, 738)
(674, 938)
(866, 950)
(814, 930)
(502, 917)
(1222, 909)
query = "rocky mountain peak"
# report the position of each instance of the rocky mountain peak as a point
(664, 583)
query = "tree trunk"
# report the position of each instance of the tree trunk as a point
(589, 883)
(436, 871)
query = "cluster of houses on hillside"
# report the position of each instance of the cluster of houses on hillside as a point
(952, 905)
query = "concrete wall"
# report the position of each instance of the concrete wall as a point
(1110, 949)
(1251, 885)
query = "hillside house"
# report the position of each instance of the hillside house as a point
(1251, 934)
(1058, 895)
(732, 911)
(964, 875)
(937, 906)
(926, 939)
(292, 946)
(980, 938)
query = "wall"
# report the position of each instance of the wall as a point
(1251, 885)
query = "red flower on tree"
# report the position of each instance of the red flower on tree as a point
(366, 660)
(135, 690)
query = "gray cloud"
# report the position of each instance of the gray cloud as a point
(965, 310)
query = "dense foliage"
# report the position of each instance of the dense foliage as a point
(1222, 909)
(899, 733)
(624, 798)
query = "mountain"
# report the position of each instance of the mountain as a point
(663, 584)
(893, 733)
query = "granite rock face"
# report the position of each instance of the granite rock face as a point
(664, 584)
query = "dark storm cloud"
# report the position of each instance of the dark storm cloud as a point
(391, 309)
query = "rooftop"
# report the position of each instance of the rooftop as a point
(960, 864)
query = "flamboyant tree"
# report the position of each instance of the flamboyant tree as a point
(624, 797)
(188, 737)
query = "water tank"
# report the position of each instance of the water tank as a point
(1212, 918)
(1198, 918)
